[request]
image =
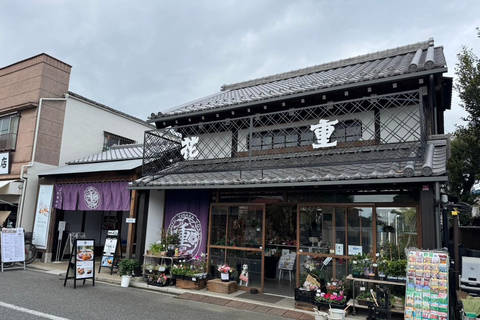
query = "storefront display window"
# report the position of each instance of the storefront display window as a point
(359, 230)
(281, 224)
(251, 261)
(316, 233)
(396, 230)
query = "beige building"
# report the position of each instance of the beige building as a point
(43, 125)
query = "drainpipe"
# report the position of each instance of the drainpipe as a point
(438, 208)
(433, 104)
(30, 164)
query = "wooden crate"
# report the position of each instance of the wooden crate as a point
(218, 286)
(191, 285)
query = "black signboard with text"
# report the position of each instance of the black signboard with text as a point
(112, 251)
(84, 266)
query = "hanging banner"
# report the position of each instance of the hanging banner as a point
(186, 213)
(111, 196)
(42, 216)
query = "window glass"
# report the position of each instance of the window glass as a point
(8, 132)
(396, 230)
(316, 232)
(245, 225)
(218, 226)
(340, 234)
(110, 140)
(253, 261)
(281, 223)
(349, 130)
(359, 230)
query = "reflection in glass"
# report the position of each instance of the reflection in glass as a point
(253, 261)
(316, 233)
(396, 230)
(218, 225)
(360, 233)
(281, 224)
(245, 224)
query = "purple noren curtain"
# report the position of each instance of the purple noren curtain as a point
(186, 213)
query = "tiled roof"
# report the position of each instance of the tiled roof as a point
(116, 153)
(433, 168)
(399, 61)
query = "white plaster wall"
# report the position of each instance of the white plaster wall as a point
(215, 145)
(85, 124)
(156, 213)
(406, 119)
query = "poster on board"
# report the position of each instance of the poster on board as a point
(84, 259)
(13, 245)
(42, 216)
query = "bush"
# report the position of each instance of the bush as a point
(127, 266)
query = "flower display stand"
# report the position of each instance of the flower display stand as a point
(219, 286)
(191, 285)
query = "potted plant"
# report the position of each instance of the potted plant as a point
(397, 270)
(225, 271)
(157, 248)
(126, 268)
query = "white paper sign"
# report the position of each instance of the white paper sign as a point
(354, 250)
(42, 216)
(339, 249)
(13, 245)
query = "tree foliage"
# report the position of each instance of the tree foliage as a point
(464, 163)
(467, 83)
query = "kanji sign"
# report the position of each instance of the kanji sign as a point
(4, 163)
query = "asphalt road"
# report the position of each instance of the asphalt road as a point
(29, 294)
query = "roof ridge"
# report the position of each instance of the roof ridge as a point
(332, 65)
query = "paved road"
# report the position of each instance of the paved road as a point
(28, 294)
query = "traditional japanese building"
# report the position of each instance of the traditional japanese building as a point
(332, 160)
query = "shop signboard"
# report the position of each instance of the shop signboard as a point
(13, 245)
(111, 251)
(84, 261)
(42, 216)
(354, 250)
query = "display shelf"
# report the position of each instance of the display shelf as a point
(373, 281)
(162, 260)
(351, 303)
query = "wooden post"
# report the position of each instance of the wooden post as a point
(131, 226)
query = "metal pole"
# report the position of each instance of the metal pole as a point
(455, 247)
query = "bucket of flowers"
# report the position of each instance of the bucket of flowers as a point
(225, 271)
(335, 295)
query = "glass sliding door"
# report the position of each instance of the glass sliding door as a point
(236, 237)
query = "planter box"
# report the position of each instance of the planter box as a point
(191, 285)
(219, 286)
(305, 296)
(363, 302)
(156, 284)
(325, 306)
(176, 276)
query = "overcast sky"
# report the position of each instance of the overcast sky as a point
(141, 57)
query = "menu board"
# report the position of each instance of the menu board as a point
(426, 294)
(13, 245)
(84, 259)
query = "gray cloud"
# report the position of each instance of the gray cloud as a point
(147, 56)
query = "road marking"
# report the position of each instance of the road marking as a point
(32, 312)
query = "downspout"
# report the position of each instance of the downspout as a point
(30, 164)
(433, 106)
(438, 211)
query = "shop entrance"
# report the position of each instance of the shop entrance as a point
(280, 249)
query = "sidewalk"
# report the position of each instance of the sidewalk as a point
(284, 308)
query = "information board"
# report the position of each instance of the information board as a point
(13, 245)
(426, 294)
(111, 251)
(84, 256)
(42, 216)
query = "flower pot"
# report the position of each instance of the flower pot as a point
(125, 281)
(225, 276)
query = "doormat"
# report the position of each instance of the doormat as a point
(259, 297)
